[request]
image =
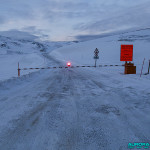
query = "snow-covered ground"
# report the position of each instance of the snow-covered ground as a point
(79, 108)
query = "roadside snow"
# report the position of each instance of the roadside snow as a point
(9, 64)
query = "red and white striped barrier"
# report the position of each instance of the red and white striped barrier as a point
(19, 69)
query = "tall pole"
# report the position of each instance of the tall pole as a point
(95, 62)
(18, 70)
(96, 55)
(149, 67)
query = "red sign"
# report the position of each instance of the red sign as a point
(126, 53)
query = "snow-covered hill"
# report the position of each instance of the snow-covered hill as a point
(17, 46)
(109, 48)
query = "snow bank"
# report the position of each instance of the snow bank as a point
(9, 64)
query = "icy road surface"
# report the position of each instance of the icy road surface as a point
(74, 109)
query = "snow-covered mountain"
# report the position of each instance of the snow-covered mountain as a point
(17, 46)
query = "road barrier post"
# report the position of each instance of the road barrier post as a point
(18, 70)
(148, 66)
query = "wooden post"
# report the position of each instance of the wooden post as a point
(18, 70)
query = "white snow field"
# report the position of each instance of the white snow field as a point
(79, 108)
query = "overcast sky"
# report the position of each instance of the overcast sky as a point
(66, 19)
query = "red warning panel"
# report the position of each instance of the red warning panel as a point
(126, 53)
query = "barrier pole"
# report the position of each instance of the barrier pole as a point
(18, 70)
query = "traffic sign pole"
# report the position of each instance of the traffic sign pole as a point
(96, 55)
(95, 62)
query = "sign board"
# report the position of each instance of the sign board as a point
(96, 54)
(126, 53)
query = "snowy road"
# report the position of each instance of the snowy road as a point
(73, 109)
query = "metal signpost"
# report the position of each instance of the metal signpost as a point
(96, 55)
